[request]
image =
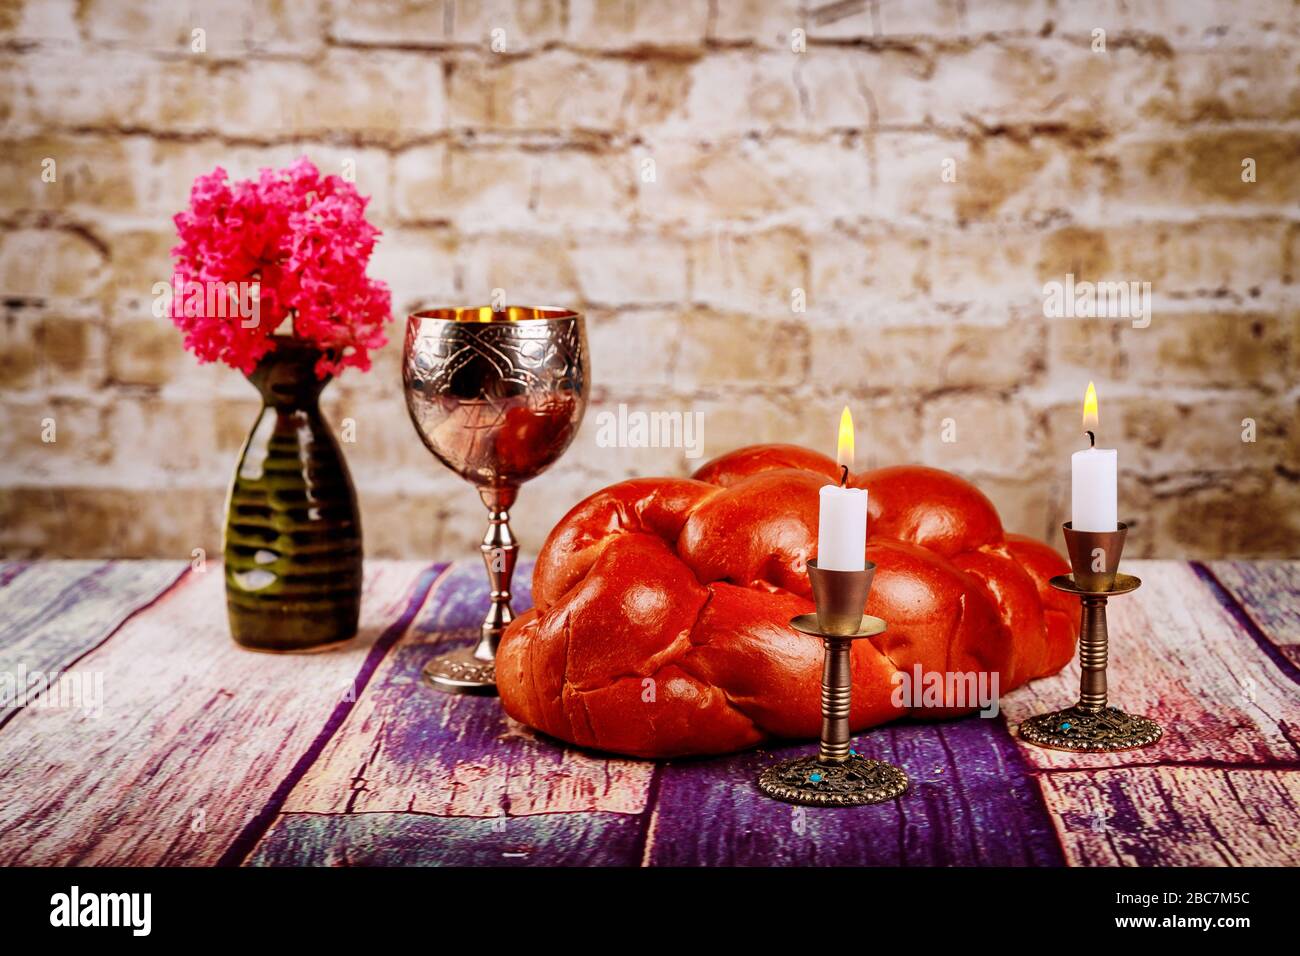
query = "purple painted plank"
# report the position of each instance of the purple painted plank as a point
(248, 838)
(972, 802)
(1177, 816)
(196, 734)
(408, 839)
(406, 748)
(55, 612)
(1264, 596)
(408, 754)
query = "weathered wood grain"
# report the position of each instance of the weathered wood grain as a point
(1268, 592)
(408, 839)
(408, 748)
(972, 802)
(53, 612)
(1177, 816)
(207, 753)
(195, 738)
(11, 569)
(1177, 656)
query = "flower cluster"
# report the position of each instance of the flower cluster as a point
(302, 240)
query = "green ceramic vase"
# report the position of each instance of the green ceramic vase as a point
(293, 535)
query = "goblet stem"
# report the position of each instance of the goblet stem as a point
(500, 553)
(466, 671)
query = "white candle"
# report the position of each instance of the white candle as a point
(842, 514)
(1094, 478)
(842, 529)
(1092, 490)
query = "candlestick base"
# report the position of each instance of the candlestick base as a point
(856, 782)
(461, 672)
(1081, 730)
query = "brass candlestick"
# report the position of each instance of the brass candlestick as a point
(1091, 725)
(837, 776)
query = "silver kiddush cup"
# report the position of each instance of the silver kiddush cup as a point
(497, 395)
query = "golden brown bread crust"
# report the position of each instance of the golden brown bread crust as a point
(661, 606)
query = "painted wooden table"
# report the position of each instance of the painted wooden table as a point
(196, 752)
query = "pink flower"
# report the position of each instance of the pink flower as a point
(299, 241)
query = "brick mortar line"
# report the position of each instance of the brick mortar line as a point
(419, 480)
(809, 226)
(827, 312)
(1145, 42)
(107, 397)
(998, 315)
(673, 133)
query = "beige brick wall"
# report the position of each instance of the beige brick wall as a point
(775, 170)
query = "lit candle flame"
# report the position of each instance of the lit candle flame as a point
(844, 450)
(1090, 409)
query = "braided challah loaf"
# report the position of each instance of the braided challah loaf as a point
(661, 606)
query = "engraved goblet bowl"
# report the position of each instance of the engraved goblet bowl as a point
(497, 395)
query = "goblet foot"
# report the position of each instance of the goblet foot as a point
(460, 672)
(1090, 731)
(856, 782)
